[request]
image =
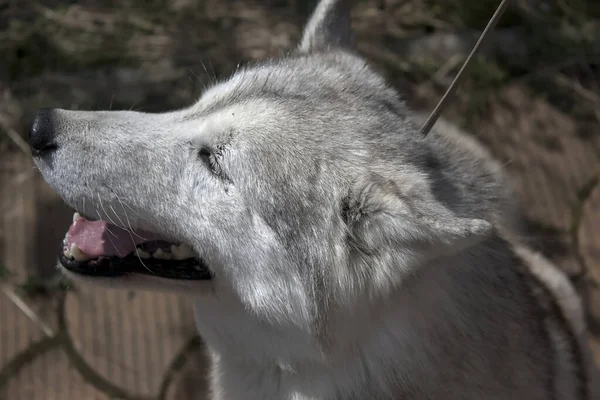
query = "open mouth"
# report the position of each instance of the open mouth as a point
(101, 249)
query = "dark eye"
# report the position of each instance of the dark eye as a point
(207, 156)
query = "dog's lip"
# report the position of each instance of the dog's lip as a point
(115, 267)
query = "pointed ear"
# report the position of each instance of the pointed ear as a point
(381, 218)
(328, 27)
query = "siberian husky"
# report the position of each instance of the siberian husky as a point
(331, 250)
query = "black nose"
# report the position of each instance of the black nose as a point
(42, 132)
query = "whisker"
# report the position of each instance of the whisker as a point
(123, 205)
(136, 253)
(110, 240)
(116, 215)
(130, 235)
(111, 232)
(128, 222)
(107, 228)
(142, 262)
(131, 232)
(105, 213)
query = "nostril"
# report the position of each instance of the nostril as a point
(42, 132)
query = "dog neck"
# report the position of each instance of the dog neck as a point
(420, 329)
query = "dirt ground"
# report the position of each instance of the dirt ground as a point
(533, 98)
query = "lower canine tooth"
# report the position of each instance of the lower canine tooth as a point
(79, 255)
(161, 255)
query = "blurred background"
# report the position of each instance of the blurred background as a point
(532, 97)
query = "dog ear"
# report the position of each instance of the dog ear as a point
(380, 217)
(328, 27)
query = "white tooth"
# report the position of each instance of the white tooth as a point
(142, 254)
(79, 255)
(76, 216)
(182, 252)
(161, 255)
(187, 250)
(67, 253)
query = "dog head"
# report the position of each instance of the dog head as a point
(296, 189)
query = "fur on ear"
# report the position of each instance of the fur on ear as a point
(328, 27)
(381, 216)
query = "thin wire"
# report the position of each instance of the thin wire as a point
(452, 88)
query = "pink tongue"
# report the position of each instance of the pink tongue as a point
(99, 238)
